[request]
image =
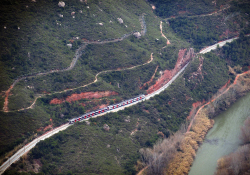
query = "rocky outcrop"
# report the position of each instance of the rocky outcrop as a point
(120, 20)
(61, 4)
(106, 127)
(137, 34)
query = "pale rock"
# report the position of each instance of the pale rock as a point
(69, 45)
(61, 4)
(120, 20)
(60, 15)
(137, 34)
(73, 13)
(106, 127)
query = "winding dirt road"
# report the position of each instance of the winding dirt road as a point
(168, 42)
(78, 54)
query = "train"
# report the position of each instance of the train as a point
(107, 109)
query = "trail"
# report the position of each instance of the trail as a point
(95, 80)
(168, 42)
(209, 14)
(78, 54)
(234, 83)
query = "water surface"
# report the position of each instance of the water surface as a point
(222, 139)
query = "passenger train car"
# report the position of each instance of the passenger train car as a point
(108, 108)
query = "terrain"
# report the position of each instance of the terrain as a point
(69, 60)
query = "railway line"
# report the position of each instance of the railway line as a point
(32, 144)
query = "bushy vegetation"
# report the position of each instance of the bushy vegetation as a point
(163, 113)
(237, 53)
(202, 31)
(167, 8)
(87, 146)
(16, 127)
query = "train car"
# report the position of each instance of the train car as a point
(108, 108)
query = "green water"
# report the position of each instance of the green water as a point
(222, 139)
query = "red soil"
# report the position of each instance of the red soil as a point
(87, 95)
(194, 107)
(44, 129)
(225, 86)
(184, 57)
(182, 12)
(235, 82)
(228, 32)
(47, 127)
(198, 72)
(144, 85)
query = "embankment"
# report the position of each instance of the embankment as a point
(83, 95)
(184, 57)
(238, 161)
(202, 122)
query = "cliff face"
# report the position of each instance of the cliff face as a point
(184, 56)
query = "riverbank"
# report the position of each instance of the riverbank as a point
(238, 161)
(203, 121)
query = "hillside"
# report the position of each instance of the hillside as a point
(37, 62)
(49, 82)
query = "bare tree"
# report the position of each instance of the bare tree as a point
(158, 158)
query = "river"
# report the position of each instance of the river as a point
(222, 139)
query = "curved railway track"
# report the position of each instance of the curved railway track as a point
(32, 144)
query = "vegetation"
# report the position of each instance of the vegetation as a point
(238, 161)
(158, 158)
(41, 46)
(167, 8)
(237, 53)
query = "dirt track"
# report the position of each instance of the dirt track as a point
(78, 54)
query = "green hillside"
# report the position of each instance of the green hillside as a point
(34, 40)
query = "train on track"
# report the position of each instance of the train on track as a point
(107, 109)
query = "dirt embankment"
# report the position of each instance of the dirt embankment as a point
(83, 95)
(201, 123)
(184, 57)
